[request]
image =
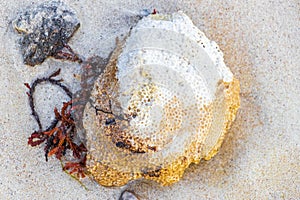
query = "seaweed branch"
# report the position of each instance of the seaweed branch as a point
(60, 135)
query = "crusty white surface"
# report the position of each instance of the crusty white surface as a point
(260, 157)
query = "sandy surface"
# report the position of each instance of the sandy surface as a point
(260, 157)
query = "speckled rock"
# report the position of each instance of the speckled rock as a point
(45, 30)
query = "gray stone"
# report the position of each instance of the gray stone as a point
(45, 30)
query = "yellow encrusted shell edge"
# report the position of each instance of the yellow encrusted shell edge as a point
(107, 176)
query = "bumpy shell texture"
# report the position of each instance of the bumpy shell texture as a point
(165, 100)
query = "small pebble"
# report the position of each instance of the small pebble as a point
(126, 195)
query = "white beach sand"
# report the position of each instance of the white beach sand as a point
(258, 160)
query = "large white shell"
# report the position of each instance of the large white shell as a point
(165, 100)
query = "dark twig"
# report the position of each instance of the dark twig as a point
(32, 88)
